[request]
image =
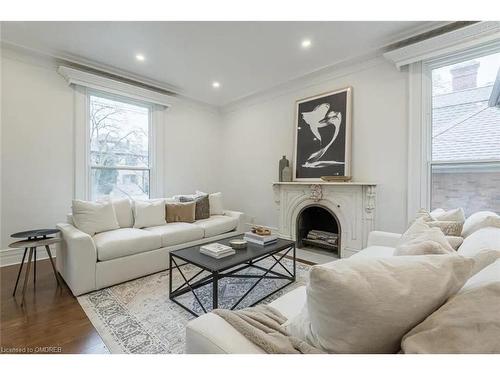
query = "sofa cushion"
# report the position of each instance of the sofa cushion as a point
(467, 323)
(478, 220)
(215, 202)
(202, 210)
(177, 233)
(125, 241)
(420, 239)
(149, 213)
(375, 252)
(217, 224)
(482, 239)
(94, 217)
(123, 211)
(180, 212)
(366, 305)
(456, 214)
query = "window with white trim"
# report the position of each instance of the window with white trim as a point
(464, 157)
(119, 152)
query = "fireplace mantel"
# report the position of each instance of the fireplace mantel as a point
(353, 203)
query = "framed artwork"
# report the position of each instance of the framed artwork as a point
(323, 136)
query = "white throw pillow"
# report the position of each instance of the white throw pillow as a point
(456, 214)
(420, 239)
(123, 211)
(482, 239)
(478, 220)
(215, 202)
(366, 305)
(94, 217)
(150, 213)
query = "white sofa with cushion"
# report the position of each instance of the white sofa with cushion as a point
(88, 263)
(210, 333)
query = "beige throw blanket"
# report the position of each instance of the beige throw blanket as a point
(262, 326)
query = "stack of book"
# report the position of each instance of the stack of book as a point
(217, 250)
(260, 240)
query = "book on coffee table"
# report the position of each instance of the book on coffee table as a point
(260, 240)
(217, 250)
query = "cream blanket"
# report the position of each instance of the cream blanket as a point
(262, 326)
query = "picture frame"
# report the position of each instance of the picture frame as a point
(322, 136)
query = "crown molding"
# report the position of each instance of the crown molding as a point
(453, 41)
(94, 81)
(69, 59)
(312, 79)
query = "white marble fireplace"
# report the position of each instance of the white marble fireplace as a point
(353, 204)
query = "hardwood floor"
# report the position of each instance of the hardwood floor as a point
(50, 320)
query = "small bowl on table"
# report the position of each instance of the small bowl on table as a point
(238, 244)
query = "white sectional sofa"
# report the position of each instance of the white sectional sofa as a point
(210, 333)
(88, 263)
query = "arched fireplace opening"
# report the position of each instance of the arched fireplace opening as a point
(318, 227)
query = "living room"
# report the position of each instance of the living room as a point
(287, 185)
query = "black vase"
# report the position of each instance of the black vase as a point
(282, 164)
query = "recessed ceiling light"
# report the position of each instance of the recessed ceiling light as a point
(140, 57)
(306, 43)
(215, 85)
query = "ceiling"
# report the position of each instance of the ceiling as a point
(186, 57)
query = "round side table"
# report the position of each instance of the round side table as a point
(35, 238)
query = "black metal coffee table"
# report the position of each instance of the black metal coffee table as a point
(230, 267)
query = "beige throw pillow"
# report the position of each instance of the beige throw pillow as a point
(181, 212)
(420, 239)
(449, 228)
(455, 241)
(469, 322)
(366, 305)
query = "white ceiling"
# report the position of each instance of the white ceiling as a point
(245, 57)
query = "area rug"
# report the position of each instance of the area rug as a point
(138, 317)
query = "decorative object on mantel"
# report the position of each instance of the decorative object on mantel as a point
(336, 178)
(323, 136)
(284, 162)
(286, 174)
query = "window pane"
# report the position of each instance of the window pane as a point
(118, 133)
(120, 183)
(473, 186)
(465, 122)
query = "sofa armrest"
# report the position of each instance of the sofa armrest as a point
(76, 259)
(379, 238)
(210, 334)
(242, 220)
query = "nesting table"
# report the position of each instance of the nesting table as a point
(33, 239)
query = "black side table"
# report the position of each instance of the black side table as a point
(35, 238)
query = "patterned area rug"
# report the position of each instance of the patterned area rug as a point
(138, 317)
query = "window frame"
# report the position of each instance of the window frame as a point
(422, 71)
(83, 166)
(151, 158)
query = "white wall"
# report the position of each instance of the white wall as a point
(236, 152)
(258, 132)
(37, 146)
(192, 152)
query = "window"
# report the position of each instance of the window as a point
(119, 152)
(464, 162)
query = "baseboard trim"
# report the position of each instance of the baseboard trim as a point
(9, 257)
